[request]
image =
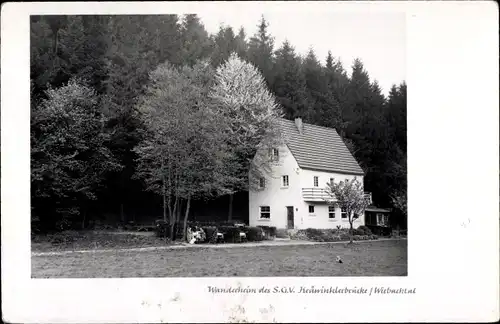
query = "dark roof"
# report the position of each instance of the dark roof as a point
(319, 148)
(377, 209)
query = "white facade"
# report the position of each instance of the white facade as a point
(280, 199)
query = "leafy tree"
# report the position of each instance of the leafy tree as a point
(68, 154)
(260, 51)
(182, 154)
(139, 44)
(400, 202)
(349, 196)
(250, 115)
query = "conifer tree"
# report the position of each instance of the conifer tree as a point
(195, 40)
(289, 84)
(224, 44)
(260, 51)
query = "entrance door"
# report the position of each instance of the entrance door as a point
(289, 212)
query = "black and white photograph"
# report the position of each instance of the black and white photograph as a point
(193, 145)
(246, 162)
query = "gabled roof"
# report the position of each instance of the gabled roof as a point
(377, 209)
(319, 148)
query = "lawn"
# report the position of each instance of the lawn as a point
(383, 258)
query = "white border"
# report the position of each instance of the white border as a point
(453, 188)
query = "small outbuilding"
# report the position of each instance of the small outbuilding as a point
(378, 220)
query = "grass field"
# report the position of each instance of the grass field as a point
(383, 258)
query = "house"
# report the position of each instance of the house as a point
(377, 219)
(292, 196)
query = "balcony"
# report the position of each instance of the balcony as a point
(315, 194)
(320, 195)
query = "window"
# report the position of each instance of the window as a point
(285, 181)
(262, 183)
(265, 212)
(316, 181)
(331, 211)
(311, 209)
(343, 213)
(274, 154)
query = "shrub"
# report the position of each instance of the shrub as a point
(162, 228)
(281, 233)
(365, 230)
(63, 238)
(299, 235)
(269, 231)
(254, 233)
(344, 236)
(315, 234)
(231, 233)
(357, 231)
(210, 233)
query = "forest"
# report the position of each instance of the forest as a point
(101, 137)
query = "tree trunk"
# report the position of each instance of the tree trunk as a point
(230, 211)
(84, 217)
(122, 214)
(172, 231)
(184, 228)
(174, 218)
(164, 195)
(350, 229)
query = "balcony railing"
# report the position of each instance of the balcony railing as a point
(320, 194)
(315, 194)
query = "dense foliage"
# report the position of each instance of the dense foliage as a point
(93, 78)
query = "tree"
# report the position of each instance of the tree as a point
(68, 154)
(289, 84)
(349, 196)
(195, 40)
(224, 44)
(400, 202)
(241, 44)
(260, 51)
(182, 154)
(250, 118)
(336, 82)
(140, 44)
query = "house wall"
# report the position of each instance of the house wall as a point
(275, 195)
(319, 219)
(278, 198)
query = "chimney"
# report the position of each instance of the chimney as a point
(298, 123)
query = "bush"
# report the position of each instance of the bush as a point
(365, 230)
(254, 234)
(210, 233)
(231, 233)
(357, 231)
(299, 235)
(162, 229)
(315, 234)
(281, 233)
(269, 231)
(344, 236)
(62, 238)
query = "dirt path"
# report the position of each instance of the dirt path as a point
(277, 242)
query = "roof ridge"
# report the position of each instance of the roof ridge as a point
(309, 124)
